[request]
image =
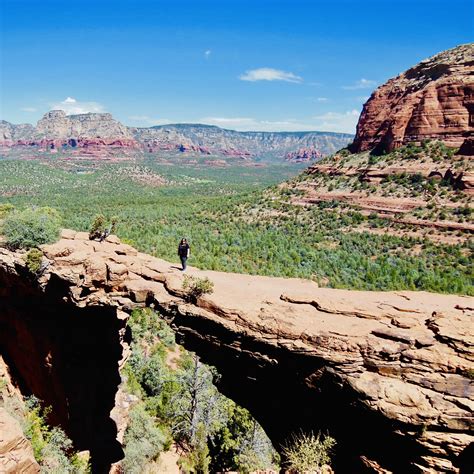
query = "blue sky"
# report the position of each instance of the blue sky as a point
(246, 65)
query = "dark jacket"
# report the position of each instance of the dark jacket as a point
(183, 250)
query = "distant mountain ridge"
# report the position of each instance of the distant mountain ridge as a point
(100, 135)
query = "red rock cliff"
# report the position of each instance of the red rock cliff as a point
(432, 100)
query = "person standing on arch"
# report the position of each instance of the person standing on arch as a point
(183, 252)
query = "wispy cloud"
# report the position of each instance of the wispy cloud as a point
(245, 124)
(72, 106)
(269, 74)
(337, 121)
(321, 99)
(207, 53)
(28, 109)
(147, 121)
(361, 84)
(330, 122)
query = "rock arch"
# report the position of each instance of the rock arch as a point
(386, 373)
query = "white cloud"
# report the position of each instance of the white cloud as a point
(269, 74)
(338, 121)
(245, 124)
(147, 121)
(72, 106)
(331, 122)
(207, 53)
(28, 109)
(321, 99)
(361, 84)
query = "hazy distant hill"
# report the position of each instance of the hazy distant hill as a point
(214, 140)
(101, 135)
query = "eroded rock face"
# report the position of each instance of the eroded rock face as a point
(98, 134)
(387, 373)
(432, 100)
(57, 125)
(304, 154)
(16, 453)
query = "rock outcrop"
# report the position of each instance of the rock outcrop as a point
(432, 100)
(100, 135)
(57, 125)
(389, 374)
(16, 453)
(304, 154)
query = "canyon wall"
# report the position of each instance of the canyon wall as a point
(433, 100)
(99, 135)
(386, 373)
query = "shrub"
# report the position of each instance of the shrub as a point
(143, 439)
(198, 459)
(5, 209)
(31, 227)
(197, 287)
(34, 258)
(51, 447)
(99, 229)
(308, 453)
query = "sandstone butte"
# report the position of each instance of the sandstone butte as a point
(389, 374)
(432, 100)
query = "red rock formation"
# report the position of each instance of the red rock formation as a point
(82, 131)
(304, 154)
(16, 453)
(467, 148)
(395, 365)
(432, 100)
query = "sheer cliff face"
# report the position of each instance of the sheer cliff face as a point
(56, 124)
(432, 100)
(388, 374)
(100, 134)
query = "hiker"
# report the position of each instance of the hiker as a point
(183, 252)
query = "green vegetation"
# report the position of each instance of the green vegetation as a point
(34, 258)
(234, 225)
(31, 227)
(5, 209)
(197, 287)
(99, 227)
(52, 449)
(178, 405)
(144, 440)
(309, 453)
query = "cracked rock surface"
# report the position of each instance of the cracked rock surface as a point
(297, 355)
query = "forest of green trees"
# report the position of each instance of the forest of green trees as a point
(233, 224)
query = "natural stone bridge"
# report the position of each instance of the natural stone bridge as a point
(388, 374)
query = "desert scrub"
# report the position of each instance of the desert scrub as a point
(34, 259)
(97, 226)
(308, 452)
(31, 227)
(52, 449)
(179, 400)
(144, 440)
(197, 287)
(5, 209)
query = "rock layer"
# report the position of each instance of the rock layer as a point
(100, 135)
(432, 100)
(16, 453)
(386, 373)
